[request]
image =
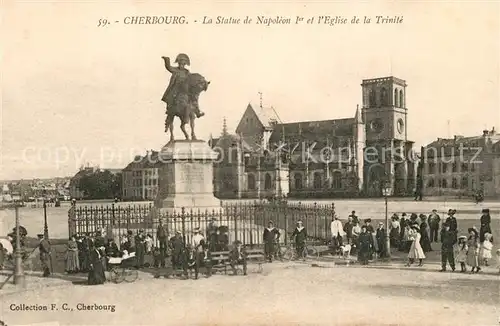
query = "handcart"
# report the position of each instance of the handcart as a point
(123, 269)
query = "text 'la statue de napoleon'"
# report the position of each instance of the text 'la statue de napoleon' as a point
(182, 95)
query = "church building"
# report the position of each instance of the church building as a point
(347, 157)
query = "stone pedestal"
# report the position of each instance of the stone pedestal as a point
(185, 170)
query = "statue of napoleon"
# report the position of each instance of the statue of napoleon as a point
(182, 95)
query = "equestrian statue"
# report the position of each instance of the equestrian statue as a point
(182, 95)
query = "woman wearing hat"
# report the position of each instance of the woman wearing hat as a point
(485, 224)
(473, 251)
(416, 251)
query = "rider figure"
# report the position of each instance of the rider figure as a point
(178, 82)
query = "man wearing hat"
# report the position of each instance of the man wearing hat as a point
(44, 249)
(212, 229)
(434, 220)
(448, 240)
(161, 235)
(199, 246)
(300, 236)
(337, 231)
(451, 220)
(177, 245)
(271, 238)
(485, 224)
(237, 256)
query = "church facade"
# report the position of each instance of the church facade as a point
(349, 157)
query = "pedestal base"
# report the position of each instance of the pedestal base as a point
(185, 171)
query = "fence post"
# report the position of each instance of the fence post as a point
(113, 214)
(235, 222)
(326, 222)
(285, 210)
(183, 221)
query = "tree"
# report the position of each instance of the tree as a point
(100, 185)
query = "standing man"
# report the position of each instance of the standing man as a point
(161, 235)
(337, 233)
(271, 238)
(434, 220)
(178, 248)
(212, 238)
(485, 224)
(300, 236)
(199, 245)
(44, 249)
(451, 220)
(354, 217)
(348, 229)
(448, 240)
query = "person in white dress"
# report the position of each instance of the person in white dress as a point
(461, 252)
(416, 251)
(486, 248)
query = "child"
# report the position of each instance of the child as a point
(461, 252)
(486, 248)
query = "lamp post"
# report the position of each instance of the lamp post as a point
(19, 277)
(45, 225)
(387, 192)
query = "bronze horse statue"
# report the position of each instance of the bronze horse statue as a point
(185, 104)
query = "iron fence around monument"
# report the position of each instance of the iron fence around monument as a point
(243, 221)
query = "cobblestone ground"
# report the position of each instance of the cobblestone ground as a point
(284, 294)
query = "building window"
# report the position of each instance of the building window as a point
(337, 180)
(465, 182)
(454, 183)
(297, 177)
(430, 183)
(251, 182)
(454, 167)
(401, 99)
(267, 182)
(317, 180)
(444, 183)
(432, 168)
(383, 96)
(371, 98)
(444, 167)
(396, 98)
(472, 167)
(465, 167)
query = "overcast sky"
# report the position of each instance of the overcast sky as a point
(91, 94)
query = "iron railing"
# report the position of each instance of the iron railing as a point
(243, 221)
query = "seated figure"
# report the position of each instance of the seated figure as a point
(237, 256)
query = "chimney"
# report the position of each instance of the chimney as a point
(493, 131)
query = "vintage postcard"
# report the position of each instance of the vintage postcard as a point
(250, 163)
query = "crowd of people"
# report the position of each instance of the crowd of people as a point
(414, 235)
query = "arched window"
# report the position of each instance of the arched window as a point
(337, 180)
(267, 182)
(396, 98)
(371, 98)
(383, 96)
(401, 99)
(317, 180)
(251, 182)
(297, 177)
(465, 182)
(454, 183)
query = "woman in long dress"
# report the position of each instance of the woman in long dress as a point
(72, 262)
(96, 274)
(395, 231)
(365, 241)
(416, 251)
(473, 250)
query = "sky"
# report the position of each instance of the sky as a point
(75, 93)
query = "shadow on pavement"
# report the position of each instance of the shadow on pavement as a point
(463, 290)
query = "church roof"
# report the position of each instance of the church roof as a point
(233, 140)
(267, 116)
(313, 130)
